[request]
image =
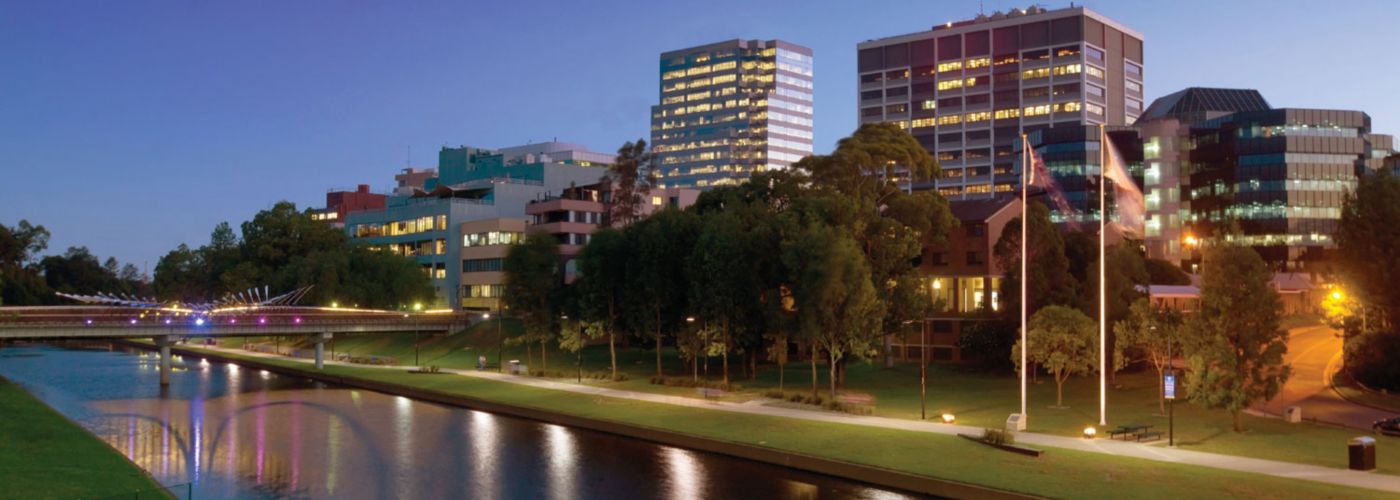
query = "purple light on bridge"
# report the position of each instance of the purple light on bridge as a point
(232, 321)
(199, 321)
(88, 322)
(167, 321)
(297, 321)
(133, 321)
(262, 321)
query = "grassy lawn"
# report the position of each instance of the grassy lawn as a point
(1060, 473)
(975, 397)
(44, 455)
(1355, 393)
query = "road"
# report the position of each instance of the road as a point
(1316, 353)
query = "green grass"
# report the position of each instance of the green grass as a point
(975, 397)
(1060, 473)
(44, 455)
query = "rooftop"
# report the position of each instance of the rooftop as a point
(1195, 104)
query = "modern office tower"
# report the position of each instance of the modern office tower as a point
(967, 90)
(1278, 177)
(729, 109)
(1165, 128)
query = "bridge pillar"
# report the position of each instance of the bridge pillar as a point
(163, 342)
(320, 339)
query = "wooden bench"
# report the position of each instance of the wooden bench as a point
(1128, 430)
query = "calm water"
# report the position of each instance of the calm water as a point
(235, 432)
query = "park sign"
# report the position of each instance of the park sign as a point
(1169, 386)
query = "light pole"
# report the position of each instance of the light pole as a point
(500, 341)
(923, 369)
(1171, 400)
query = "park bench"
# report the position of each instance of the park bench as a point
(1130, 430)
(1149, 436)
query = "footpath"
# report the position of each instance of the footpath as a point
(1148, 451)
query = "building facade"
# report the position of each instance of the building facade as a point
(341, 202)
(573, 214)
(967, 90)
(729, 109)
(436, 223)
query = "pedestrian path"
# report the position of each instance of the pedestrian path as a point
(1370, 480)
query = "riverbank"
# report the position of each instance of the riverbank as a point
(908, 460)
(44, 455)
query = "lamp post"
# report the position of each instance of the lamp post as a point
(923, 369)
(1171, 400)
(416, 319)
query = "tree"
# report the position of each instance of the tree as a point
(602, 283)
(1234, 345)
(1367, 237)
(988, 340)
(1063, 341)
(1161, 272)
(1051, 281)
(890, 225)
(658, 284)
(20, 282)
(725, 285)
(78, 271)
(1154, 334)
(837, 308)
(532, 277)
(630, 178)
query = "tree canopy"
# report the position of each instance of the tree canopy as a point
(1063, 341)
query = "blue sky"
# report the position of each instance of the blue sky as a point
(133, 126)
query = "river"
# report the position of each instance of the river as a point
(233, 432)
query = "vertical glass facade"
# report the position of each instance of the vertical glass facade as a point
(730, 109)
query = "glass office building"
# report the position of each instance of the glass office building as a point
(729, 109)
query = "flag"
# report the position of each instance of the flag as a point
(1127, 197)
(1040, 177)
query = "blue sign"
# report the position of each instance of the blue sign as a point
(1169, 386)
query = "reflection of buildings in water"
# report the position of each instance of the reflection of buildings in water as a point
(684, 473)
(561, 449)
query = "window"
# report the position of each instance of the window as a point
(1133, 86)
(950, 84)
(1002, 114)
(1094, 90)
(1035, 92)
(1068, 69)
(869, 94)
(937, 259)
(921, 123)
(1043, 109)
(872, 78)
(950, 66)
(1133, 70)
(980, 62)
(949, 119)
(978, 116)
(481, 265)
(492, 238)
(977, 230)
(1093, 53)
(656, 201)
(1094, 72)
(897, 108)
(930, 104)
(1035, 73)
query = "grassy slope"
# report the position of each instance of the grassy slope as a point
(1061, 473)
(44, 455)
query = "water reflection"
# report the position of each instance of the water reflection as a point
(251, 434)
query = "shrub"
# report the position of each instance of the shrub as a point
(998, 436)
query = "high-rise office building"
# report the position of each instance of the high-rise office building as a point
(967, 90)
(729, 109)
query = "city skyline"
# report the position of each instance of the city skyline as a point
(186, 125)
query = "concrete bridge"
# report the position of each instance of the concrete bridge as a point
(166, 325)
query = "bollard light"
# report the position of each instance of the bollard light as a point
(167, 321)
(948, 418)
(232, 321)
(1090, 432)
(262, 321)
(297, 321)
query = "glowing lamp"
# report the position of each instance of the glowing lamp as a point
(1337, 295)
(297, 321)
(418, 306)
(167, 321)
(88, 322)
(232, 321)
(335, 305)
(262, 321)
(486, 316)
(133, 321)
(199, 321)
(948, 418)
(1090, 432)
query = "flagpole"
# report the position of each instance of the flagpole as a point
(1103, 286)
(1026, 172)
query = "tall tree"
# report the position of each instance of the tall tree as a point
(602, 284)
(1234, 344)
(724, 286)
(1049, 276)
(78, 271)
(1367, 239)
(837, 308)
(532, 279)
(872, 169)
(1152, 333)
(20, 282)
(1063, 341)
(658, 283)
(630, 178)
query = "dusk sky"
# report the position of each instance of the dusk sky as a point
(131, 127)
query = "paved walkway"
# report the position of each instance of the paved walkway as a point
(1316, 353)
(1383, 482)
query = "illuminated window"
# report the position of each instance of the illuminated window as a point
(1094, 109)
(1133, 86)
(723, 66)
(1043, 109)
(1002, 114)
(950, 120)
(929, 104)
(673, 74)
(980, 62)
(1035, 73)
(723, 79)
(1068, 69)
(1067, 107)
(1094, 72)
(949, 66)
(950, 84)
(656, 201)
(923, 122)
(978, 116)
